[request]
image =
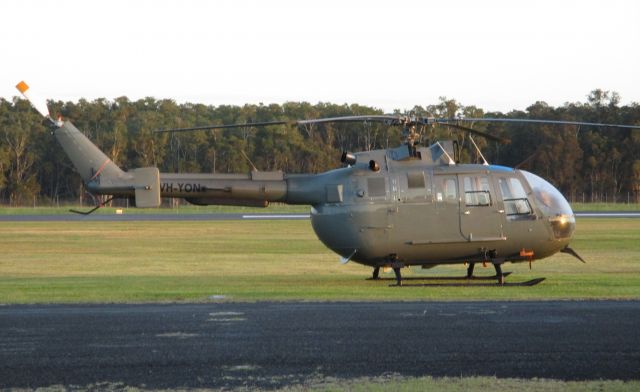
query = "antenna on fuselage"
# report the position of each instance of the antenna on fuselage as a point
(478, 150)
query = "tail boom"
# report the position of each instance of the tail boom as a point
(147, 186)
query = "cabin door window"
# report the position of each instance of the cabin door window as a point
(476, 191)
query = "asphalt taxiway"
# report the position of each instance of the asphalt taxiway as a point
(224, 345)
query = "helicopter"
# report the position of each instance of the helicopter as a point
(411, 205)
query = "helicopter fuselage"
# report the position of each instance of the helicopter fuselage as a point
(421, 214)
(402, 206)
(408, 205)
(420, 210)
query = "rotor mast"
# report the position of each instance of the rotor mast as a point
(409, 133)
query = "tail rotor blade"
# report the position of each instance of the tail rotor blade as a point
(39, 104)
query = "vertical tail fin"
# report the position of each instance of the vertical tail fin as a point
(92, 164)
(98, 172)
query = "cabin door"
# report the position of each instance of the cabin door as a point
(480, 218)
(445, 222)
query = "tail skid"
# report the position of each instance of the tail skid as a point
(85, 213)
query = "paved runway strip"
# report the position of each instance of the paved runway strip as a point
(278, 344)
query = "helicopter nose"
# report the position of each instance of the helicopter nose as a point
(553, 205)
(563, 226)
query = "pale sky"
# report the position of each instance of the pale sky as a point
(498, 55)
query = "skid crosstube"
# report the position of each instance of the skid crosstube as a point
(493, 277)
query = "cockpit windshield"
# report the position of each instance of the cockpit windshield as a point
(548, 198)
(552, 205)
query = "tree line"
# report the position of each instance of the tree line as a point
(585, 163)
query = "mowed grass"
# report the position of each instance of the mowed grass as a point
(463, 384)
(397, 383)
(182, 209)
(272, 209)
(605, 207)
(54, 262)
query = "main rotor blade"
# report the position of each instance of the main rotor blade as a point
(206, 127)
(531, 121)
(476, 132)
(389, 119)
(394, 120)
(384, 118)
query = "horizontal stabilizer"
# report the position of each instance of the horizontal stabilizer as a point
(147, 187)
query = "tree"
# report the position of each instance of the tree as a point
(578, 160)
(16, 131)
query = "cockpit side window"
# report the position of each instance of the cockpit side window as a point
(514, 196)
(476, 191)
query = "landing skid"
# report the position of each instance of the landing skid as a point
(528, 283)
(494, 277)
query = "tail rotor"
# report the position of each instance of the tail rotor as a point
(40, 104)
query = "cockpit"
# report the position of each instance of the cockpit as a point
(553, 206)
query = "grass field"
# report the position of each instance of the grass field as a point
(273, 208)
(605, 207)
(185, 209)
(407, 384)
(417, 384)
(50, 262)
(463, 384)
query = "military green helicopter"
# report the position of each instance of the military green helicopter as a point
(412, 205)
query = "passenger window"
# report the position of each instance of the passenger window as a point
(418, 187)
(415, 180)
(446, 190)
(476, 191)
(514, 197)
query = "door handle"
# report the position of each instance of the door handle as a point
(467, 212)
